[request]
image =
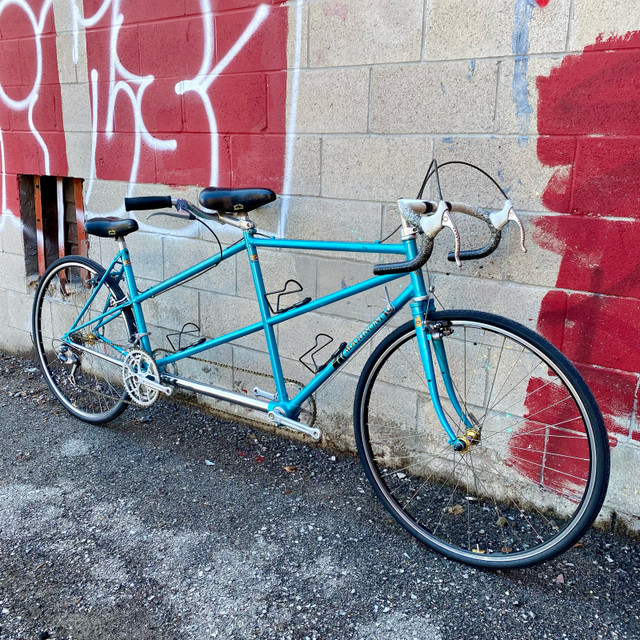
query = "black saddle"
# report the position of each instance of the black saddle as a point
(235, 201)
(110, 227)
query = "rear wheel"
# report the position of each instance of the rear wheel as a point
(83, 369)
(535, 472)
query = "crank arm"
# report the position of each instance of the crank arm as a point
(281, 420)
(259, 393)
(156, 386)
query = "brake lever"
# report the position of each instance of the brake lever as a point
(180, 216)
(507, 214)
(180, 205)
(433, 224)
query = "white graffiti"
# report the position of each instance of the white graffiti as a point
(123, 82)
(207, 75)
(291, 126)
(28, 103)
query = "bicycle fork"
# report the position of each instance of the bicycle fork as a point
(429, 335)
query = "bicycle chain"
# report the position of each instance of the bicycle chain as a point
(232, 415)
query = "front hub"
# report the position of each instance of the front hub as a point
(473, 435)
(461, 445)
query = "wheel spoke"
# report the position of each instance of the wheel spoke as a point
(516, 495)
(92, 388)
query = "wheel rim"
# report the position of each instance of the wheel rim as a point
(94, 390)
(522, 487)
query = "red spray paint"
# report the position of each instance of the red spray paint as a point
(168, 40)
(589, 121)
(20, 60)
(589, 126)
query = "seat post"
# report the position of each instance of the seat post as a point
(126, 263)
(126, 266)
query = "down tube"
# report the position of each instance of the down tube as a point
(350, 349)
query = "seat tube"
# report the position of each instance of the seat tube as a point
(269, 333)
(141, 325)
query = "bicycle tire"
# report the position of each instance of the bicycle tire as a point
(93, 391)
(536, 477)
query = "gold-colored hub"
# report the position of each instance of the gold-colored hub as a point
(472, 435)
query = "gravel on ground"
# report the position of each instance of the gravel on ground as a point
(171, 523)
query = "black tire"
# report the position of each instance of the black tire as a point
(536, 475)
(92, 391)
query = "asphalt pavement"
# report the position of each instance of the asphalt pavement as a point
(172, 524)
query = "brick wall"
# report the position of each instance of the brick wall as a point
(339, 107)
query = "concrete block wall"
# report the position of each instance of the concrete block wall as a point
(339, 107)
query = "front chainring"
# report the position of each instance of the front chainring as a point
(137, 367)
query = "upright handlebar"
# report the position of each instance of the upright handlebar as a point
(144, 203)
(185, 210)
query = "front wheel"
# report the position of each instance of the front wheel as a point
(83, 367)
(535, 471)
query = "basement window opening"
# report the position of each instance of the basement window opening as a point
(52, 214)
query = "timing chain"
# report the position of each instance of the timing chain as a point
(230, 414)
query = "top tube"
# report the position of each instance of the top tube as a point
(328, 245)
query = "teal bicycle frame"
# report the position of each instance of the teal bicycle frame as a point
(415, 292)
